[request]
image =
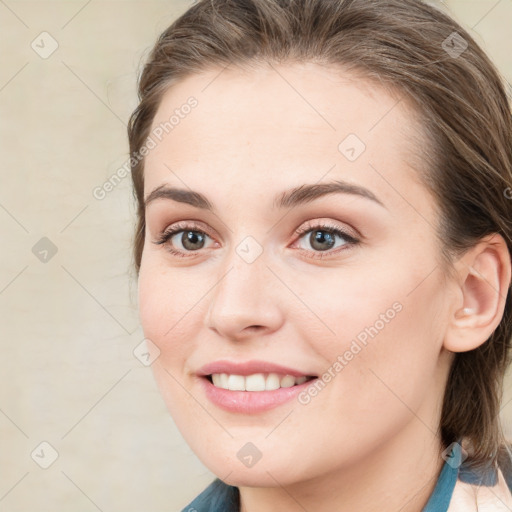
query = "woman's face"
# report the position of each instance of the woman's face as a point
(265, 274)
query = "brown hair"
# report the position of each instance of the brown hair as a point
(458, 95)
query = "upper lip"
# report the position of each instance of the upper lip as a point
(248, 368)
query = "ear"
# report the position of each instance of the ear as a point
(484, 273)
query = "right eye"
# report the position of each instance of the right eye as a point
(187, 235)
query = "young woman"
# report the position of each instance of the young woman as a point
(323, 253)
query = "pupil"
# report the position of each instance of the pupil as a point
(319, 237)
(190, 238)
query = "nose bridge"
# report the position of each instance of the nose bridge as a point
(242, 297)
(244, 274)
(245, 265)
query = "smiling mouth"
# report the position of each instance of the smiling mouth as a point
(256, 381)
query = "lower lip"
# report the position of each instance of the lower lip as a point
(250, 402)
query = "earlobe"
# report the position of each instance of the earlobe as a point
(485, 272)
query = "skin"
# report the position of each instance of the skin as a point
(368, 441)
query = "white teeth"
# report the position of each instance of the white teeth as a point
(287, 381)
(272, 382)
(236, 383)
(255, 382)
(224, 380)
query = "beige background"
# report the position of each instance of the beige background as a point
(69, 324)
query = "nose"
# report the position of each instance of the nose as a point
(245, 301)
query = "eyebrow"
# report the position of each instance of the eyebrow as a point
(288, 199)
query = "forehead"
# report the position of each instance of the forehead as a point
(276, 126)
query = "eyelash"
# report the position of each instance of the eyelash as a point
(351, 241)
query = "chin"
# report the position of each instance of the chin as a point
(265, 473)
(249, 478)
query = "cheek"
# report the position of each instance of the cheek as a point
(383, 323)
(165, 318)
(165, 306)
(153, 304)
(389, 352)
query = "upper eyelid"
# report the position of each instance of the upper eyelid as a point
(328, 225)
(184, 225)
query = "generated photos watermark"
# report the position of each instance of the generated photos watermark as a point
(156, 136)
(356, 346)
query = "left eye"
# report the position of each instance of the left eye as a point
(323, 238)
(191, 240)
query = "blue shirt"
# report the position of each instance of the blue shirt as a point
(220, 497)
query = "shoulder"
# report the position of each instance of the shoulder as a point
(217, 497)
(488, 490)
